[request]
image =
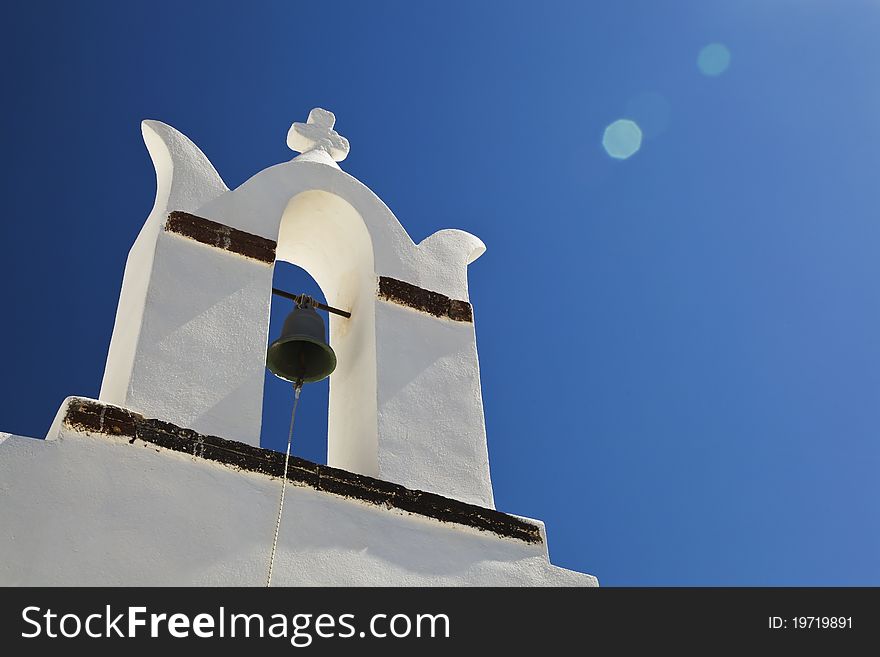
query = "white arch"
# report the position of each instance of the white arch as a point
(327, 237)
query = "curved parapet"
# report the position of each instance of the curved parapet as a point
(185, 179)
(453, 245)
(448, 252)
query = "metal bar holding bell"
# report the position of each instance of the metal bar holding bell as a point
(303, 298)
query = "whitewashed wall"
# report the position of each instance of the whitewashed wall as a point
(81, 510)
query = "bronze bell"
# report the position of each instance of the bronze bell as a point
(301, 353)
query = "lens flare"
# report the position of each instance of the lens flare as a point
(622, 139)
(714, 59)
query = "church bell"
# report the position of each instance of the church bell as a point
(301, 353)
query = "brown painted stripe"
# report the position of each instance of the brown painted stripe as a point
(94, 417)
(221, 236)
(434, 303)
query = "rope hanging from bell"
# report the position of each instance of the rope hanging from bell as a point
(299, 355)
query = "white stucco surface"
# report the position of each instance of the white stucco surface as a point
(192, 326)
(83, 510)
(425, 356)
(202, 344)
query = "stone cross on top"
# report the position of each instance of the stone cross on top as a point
(318, 134)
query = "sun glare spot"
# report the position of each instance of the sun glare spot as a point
(622, 139)
(714, 59)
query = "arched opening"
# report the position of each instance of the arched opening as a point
(327, 237)
(310, 432)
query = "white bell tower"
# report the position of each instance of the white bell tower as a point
(189, 341)
(165, 470)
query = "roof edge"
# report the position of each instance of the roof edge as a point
(97, 418)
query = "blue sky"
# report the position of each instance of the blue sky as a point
(679, 354)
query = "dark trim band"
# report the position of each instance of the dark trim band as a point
(96, 418)
(220, 236)
(433, 303)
